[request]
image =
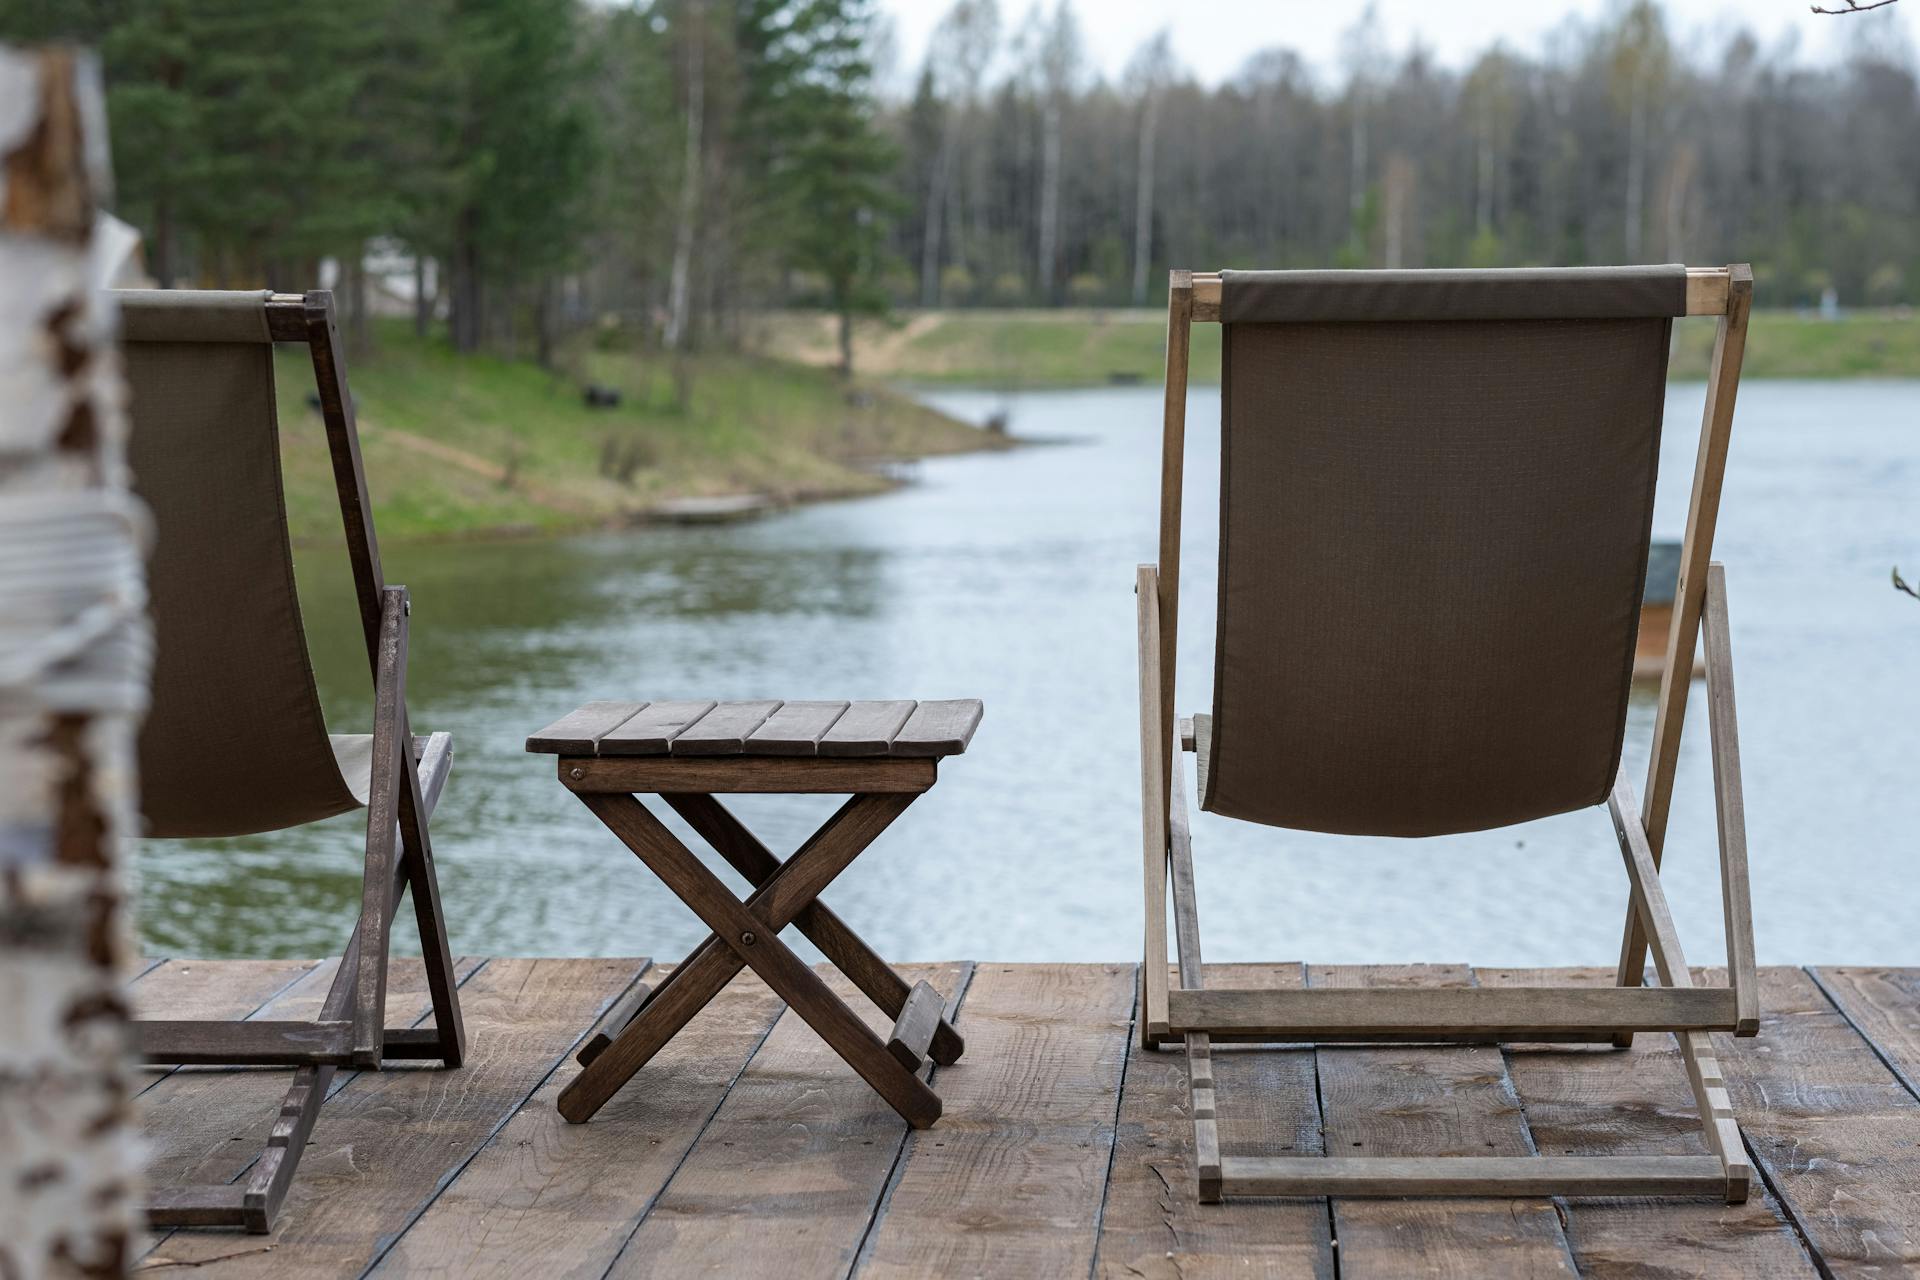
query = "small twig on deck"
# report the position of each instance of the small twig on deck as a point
(161, 1263)
(1853, 6)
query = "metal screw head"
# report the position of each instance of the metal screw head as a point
(748, 938)
(576, 773)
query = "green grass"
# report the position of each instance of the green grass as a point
(462, 445)
(1086, 348)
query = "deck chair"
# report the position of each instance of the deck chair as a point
(234, 742)
(1436, 494)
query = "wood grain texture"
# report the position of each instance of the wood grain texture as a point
(652, 730)
(735, 775)
(1426, 1101)
(865, 729)
(1012, 1181)
(578, 732)
(724, 730)
(942, 728)
(209, 1123)
(1605, 1102)
(1153, 1226)
(795, 729)
(1836, 1133)
(548, 1198)
(366, 1179)
(786, 1178)
(1884, 1006)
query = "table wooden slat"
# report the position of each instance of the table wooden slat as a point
(866, 729)
(795, 729)
(938, 728)
(578, 732)
(652, 731)
(724, 730)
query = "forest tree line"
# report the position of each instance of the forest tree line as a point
(678, 164)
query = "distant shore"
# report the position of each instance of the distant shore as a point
(1081, 348)
(483, 446)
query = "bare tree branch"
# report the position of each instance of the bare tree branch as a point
(1853, 6)
(1901, 584)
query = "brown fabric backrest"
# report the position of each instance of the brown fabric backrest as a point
(1436, 495)
(234, 741)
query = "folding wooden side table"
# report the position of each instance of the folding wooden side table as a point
(881, 754)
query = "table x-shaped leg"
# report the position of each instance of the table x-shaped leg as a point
(747, 933)
(719, 827)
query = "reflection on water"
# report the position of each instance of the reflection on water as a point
(1009, 577)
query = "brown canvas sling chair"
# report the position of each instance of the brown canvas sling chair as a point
(1436, 495)
(234, 742)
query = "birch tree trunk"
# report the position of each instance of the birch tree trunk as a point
(74, 656)
(1143, 196)
(679, 294)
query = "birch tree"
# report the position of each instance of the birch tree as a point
(74, 650)
(1148, 73)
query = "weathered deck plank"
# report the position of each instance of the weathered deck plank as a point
(744, 1148)
(1153, 1226)
(1595, 1101)
(1420, 1100)
(549, 1198)
(210, 1123)
(1837, 1136)
(1011, 1181)
(1884, 1006)
(366, 1179)
(787, 1175)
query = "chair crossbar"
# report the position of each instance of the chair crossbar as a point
(1506, 1013)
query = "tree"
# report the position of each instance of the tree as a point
(825, 164)
(73, 681)
(1151, 68)
(526, 148)
(1055, 56)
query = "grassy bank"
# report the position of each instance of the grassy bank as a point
(463, 445)
(1067, 348)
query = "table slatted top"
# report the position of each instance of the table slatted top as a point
(767, 727)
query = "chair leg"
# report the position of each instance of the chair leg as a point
(1201, 1096)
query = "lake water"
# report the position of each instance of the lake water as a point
(1009, 577)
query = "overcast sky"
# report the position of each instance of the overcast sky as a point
(1213, 37)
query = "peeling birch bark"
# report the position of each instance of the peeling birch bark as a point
(74, 658)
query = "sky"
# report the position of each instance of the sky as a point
(1213, 37)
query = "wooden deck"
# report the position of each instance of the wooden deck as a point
(749, 1148)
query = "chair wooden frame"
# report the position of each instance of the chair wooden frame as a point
(1190, 1013)
(405, 786)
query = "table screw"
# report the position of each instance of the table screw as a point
(576, 773)
(748, 938)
